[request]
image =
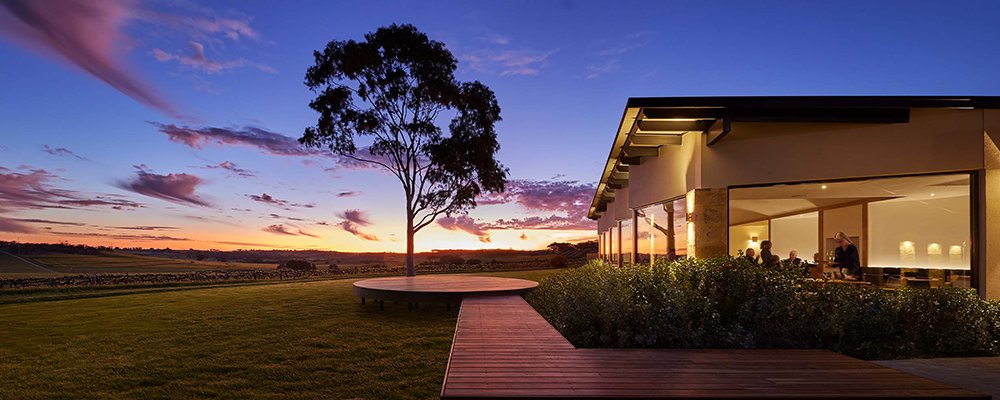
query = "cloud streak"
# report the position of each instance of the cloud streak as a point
(281, 229)
(197, 60)
(261, 139)
(271, 200)
(62, 152)
(233, 169)
(176, 188)
(84, 34)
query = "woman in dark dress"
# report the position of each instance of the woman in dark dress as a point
(846, 255)
(765, 254)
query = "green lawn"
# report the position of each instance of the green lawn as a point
(289, 340)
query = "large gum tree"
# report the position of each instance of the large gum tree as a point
(381, 100)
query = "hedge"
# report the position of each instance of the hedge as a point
(731, 303)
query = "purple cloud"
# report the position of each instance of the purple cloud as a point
(352, 222)
(568, 199)
(355, 230)
(33, 190)
(264, 140)
(12, 226)
(349, 193)
(85, 34)
(356, 216)
(62, 152)
(177, 188)
(47, 221)
(146, 228)
(232, 168)
(124, 236)
(268, 199)
(280, 229)
(466, 224)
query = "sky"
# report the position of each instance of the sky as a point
(174, 124)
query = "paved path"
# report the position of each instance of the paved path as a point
(981, 374)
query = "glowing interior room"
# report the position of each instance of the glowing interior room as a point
(912, 182)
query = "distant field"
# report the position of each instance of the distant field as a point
(13, 265)
(274, 341)
(130, 263)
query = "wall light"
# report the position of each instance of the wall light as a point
(823, 187)
(932, 194)
(934, 248)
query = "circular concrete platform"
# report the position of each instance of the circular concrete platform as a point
(439, 288)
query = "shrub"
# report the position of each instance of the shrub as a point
(298, 265)
(558, 262)
(731, 303)
(473, 261)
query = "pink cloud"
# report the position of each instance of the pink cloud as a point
(466, 224)
(12, 226)
(177, 188)
(567, 200)
(84, 34)
(33, 189)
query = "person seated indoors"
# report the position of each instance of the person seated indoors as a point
(794, 261)
(750, 255)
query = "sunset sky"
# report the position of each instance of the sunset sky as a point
(164, 124)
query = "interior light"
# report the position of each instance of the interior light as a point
(823, 187)
(932, 194)
(753, 239)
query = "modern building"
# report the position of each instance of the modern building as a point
(913, 181)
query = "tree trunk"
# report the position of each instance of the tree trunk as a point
(410, 270)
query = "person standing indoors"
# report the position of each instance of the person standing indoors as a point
(846, 255)
(766, 257)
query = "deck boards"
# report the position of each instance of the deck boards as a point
(503, 349)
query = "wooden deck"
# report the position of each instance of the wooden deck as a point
(439, 288)
(503, 349)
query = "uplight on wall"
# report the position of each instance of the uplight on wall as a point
(955, 253)
(907, 252)
(934, 249)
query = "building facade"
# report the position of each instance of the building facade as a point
(914, 182)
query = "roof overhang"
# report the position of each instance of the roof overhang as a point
(649, 123)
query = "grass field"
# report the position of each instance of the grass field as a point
(285, 340)
(13, 265)
(131, 263)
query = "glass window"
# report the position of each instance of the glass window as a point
(626, 229)
(662, 231)
(613, 235)
(908, 231)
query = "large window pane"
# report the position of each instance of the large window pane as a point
(909, 231)
(626, 229)
(922, 230)
(662, 231)
(796, 232)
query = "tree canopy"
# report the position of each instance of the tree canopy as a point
(380, 102)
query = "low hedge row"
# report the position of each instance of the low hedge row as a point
(731, 303)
